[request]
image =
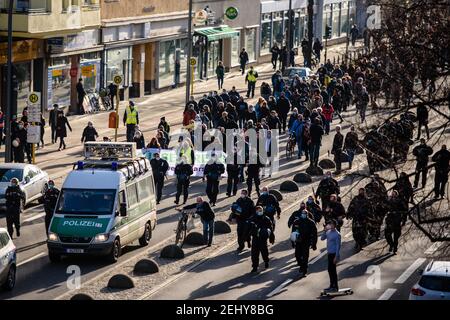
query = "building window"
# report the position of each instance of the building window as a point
(344, 19)
(250, 43)
(266, 33)
(336, 20)
(326, 18)
(235, 50)
(23, 71)
(118, 61)
(59, 76)
(352, 5)
(89, 70)
(170, 52)
(278, 28)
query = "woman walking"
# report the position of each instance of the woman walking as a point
(220, 72)
(61, 129)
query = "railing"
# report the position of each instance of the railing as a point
(26, 10)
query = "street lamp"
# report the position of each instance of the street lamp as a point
(8, 107)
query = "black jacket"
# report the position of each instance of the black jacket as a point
(307, 231)
(214, 171)
(327, 187)
(61, 127)
(359, 209)
(316, 132)
(260, 228)
(270, 204)
(338, 143)
(183, 171)
(204, 210)
(422, 113)
(243, 209)
(351, 141)
(422, 153)
(13, 196)
(89, 134)
(159, 168)
(50, 198)
(442, 158)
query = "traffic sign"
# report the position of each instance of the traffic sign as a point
(118, 79)
(232, 13)
(193, 62)
(34, 97)
(34, 134)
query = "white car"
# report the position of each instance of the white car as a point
(290, 73)
(7, 261)
(33, 181)
(434, 283)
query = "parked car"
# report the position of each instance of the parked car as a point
(33, 181)
(7, 261)
(434, 283)
(290, 73)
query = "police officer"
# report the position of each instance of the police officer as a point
(338, 144)
(159, 168)
(233, 170)
(404, 187)
(377, 194)
(304, 235)
(335, 211)
(130, 120)
(253, 177)
(395, 218)
(358, 210)
(213, 171)
(313, 206)
(49, 199)
(14, 197)
(270, 205)
(442, 166)
(183, 171)
(260, 229)
(422, 153)
(242, 210)
(327, 187)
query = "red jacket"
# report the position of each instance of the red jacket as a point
(328, 112)
(188, 116)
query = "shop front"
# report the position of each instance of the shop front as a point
(172, 62)
(340, 16)
(27, 70)
(209, 48)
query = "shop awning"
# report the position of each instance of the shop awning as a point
(216, 33)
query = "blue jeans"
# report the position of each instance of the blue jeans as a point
(327, 126)
(208, 231)
(299, 146)
(314, 153)
(351, 155)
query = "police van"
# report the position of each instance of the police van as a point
(106, 202)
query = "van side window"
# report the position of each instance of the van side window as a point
(151, 185)
(122, 199)
(144, 189)
(132, 195)
(3, 240)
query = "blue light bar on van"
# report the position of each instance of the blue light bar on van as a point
(115, 166)
(80, 165)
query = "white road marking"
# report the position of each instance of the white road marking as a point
(279, 288)
(408, 272)
(38, 216)
(31, 259)
(320, 256)
(387, 294)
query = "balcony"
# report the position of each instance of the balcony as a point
(27, 7)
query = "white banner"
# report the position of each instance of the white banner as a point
(201, 159)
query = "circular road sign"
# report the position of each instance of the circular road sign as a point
(231, 13)
(193, 62)
(33, 98)
(118, 80)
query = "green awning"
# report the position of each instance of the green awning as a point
(216, 33)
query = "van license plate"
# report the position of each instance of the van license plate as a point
(75, 250)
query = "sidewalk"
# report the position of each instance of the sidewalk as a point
(151, 108)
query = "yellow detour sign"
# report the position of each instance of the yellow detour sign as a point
(193, 62)
(118, 80)
(34, 97)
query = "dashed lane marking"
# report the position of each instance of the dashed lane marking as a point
(279, 288)
(387, 294)
(408, 272)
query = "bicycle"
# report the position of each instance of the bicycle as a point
(290, 146)
(182, 227)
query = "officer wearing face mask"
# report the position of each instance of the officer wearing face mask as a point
(50, 198)
(159, 168)
(183, 171)
(313, 207)
(241, 211)
(395, 218)
(15, 199)
(213, 171)
(303, 237)
(327, 187)
(260, 229)
(19, 142)
(335, 211)
(270, 204)
(359, 210)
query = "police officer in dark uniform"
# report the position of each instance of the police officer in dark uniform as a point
(183, 171)
(304, 236)
(313, 206)
(358, 210)
(242, 210)
(50, 198)
(233, 170)
(377, 194)
(14, 197)
(335, 211)
(404, 187)
(253, 177)
(442, 166)
(338, 144)
(395, 218)
(213, 171)
(327, 187)
(270, 205)
(422, 153)
(159, 168)
(260, 229)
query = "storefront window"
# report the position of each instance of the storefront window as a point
(344, 18)
(183, 56)
(214, 56)
(250, 44)
(235, 50)
(278, 28)
(266, 33)
(336, 20)
(352, 5)
(326, 18)
(23, 71)
(59, 82)
(166, 63)
(89, 70)
(118, 61)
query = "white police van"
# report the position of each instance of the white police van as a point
(106, 202)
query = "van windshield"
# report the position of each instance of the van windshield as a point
(86, 201)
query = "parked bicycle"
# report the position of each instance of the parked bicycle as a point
(290, 146)
(183, 225)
